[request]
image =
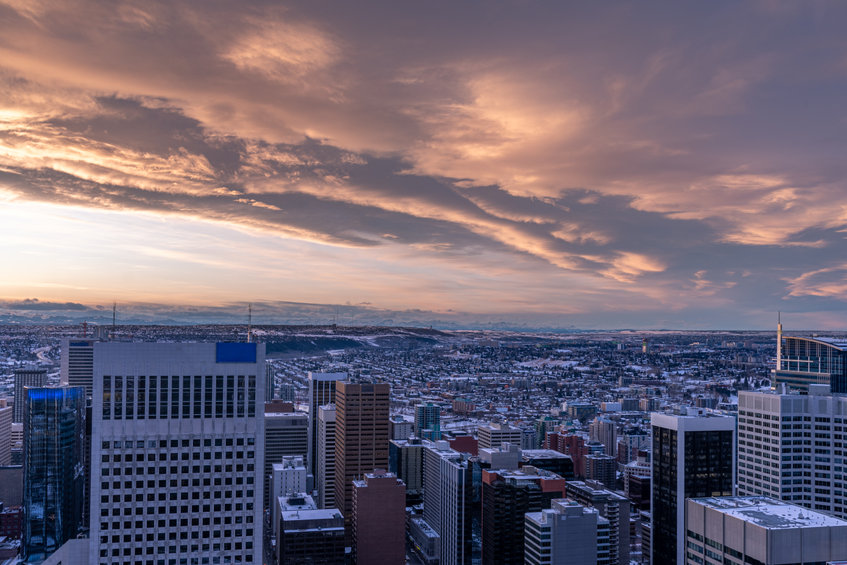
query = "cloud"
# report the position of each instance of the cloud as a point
(37, 305)
(610, 148)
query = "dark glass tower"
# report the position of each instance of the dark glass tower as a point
(54, 435)
(693, 456)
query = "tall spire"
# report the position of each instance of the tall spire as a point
(778, 340)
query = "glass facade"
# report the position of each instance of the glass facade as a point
(664, 495)
(708, 462)
(54, 435)
(806, 361)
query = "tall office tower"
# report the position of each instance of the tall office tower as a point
(379, 519)
(289, 477)
(185, 419)
(790, 447)
(270, 379)
(606, 432)
(325, 478)
(54, 426)
(405, 459)
(448, 501)
(400, 428)
(428, 421)
(602, 468)
(286, 433)
(506, 497)
(802, 361)
(693, 456)
(611, 506)
(494, 434)
(740, 529)
(5, 433)
(77, 363)
(321, 392)
(26, 376)
(361, 439)
(566, 534)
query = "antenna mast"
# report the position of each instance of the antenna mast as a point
(114, 315)
(249, 322)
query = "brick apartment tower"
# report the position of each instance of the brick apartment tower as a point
(361, 439)
(379, 519)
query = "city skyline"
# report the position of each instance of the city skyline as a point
(549, 165)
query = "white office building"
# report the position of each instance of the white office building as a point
(448, 499)
(566, 534)
(326, 456)
(321, 393)
(737, 530)
(177, 448)
(791, 447)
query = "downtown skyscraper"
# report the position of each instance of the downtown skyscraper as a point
(54, 430)
(693, 456)
(178, 451)
(361, 439)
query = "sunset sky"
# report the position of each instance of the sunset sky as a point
(589, 164)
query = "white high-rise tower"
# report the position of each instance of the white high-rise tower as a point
(178, 445)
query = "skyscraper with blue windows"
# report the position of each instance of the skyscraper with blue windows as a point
(54, 432)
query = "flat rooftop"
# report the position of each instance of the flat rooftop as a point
(769, 513)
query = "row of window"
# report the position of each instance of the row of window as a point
(150, 397)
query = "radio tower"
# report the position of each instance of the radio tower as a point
(249, 322)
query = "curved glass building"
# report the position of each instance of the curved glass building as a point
(803, 361)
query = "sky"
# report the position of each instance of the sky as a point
(553, 164)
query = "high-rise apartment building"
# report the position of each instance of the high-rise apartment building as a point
(506, 496)
(54, 428)
(400, 428)
(448, 501)
(602, 468)
(405, 459)
(379, 519)
(566, 534)
(286, 434)
(495, 433)
(611, 506)
(693, 456)
(760, 530)
(325, 478)
(5, 433)
(604, 431)
(178, 437)
(24, 377)
(791, 447)
(321, 392)
(77, 363)
(361, 438)
(428, 421)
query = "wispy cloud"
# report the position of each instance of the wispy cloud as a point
(617, 150)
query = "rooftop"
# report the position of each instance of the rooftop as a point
(769, 513)
(837, 342)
